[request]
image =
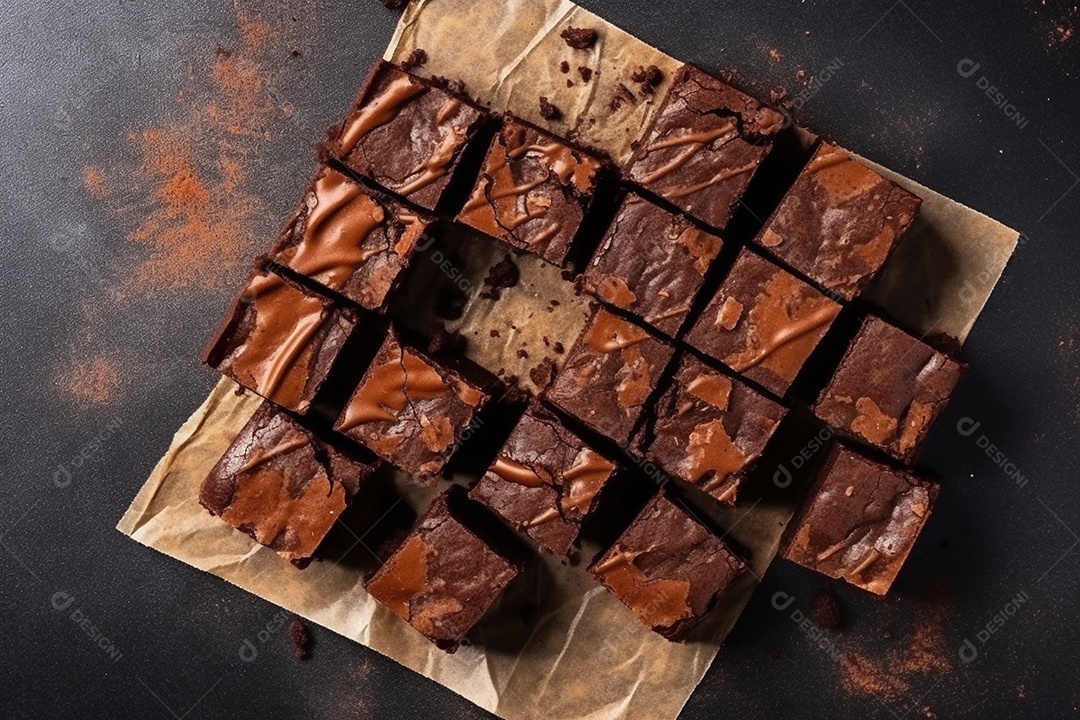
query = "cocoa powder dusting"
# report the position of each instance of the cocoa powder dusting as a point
(90, 382)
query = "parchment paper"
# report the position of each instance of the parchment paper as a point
(579, 653)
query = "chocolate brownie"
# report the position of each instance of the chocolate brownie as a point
(280, 341)
(705, 146)
(445, 576)
(533, 192)
(545, 481)
(410, 410)
(840, 222)
(351, 240)
(709, 429)
(860, 520)
(651, 263)
(609, 375)
(669, 569)
(764, 323)
(407, 135)
(282, 485)
(889, 389)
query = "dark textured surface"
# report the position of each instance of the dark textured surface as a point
(77, 78)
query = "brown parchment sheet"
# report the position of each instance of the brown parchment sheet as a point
(579, 653)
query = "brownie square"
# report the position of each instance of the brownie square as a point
(668, 568)
(709, 429)
(889, 389)
(764, 323)
(840, 222)
(651, 263)
(544, 482)
(860, 520)
(282, 485)
(445, 576)
(609, 375)
(410, 410)
(407, 135)
(280, 341)
(351, 240)
(533, 192)
(705, 146)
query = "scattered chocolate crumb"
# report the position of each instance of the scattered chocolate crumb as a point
(445, 342)
(826, 611)
(886, 634)
(295, 52)
(649, 78)
(927, 714)
(580, 38)
(494, 333)
(549, 111)
(417, 58)
(623, 96)
(775, 55)
(586, 73)
(559, 348)
(569, 83)
(523, 354)
(454, 87)
(564, 67)
(555, 303)
(300, 639)
(502, 275)
(543, 374)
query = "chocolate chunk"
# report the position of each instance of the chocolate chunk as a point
(889, 390)
(280, 341)
(651, 263)
(533, 193)
(410, 410)
(545, 482)
(764, 323)
(580, 38)
(407, 135)
(445, 576)
(668, 569)
(709, 429)
(282, 485)
(840, 222)
(610, 375)
(860, 520)
(705, 146)
(351, 240)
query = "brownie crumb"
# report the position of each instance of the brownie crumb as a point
(446, 342)
(295, 52)
(649, 78)
(564, 67)
(580, 38)
(569, 83)
(523, 354)
(826, 612)
(623, 96)
(300, 639)
(543, 374)
(494, 333)
(549, 111)
(417, 58)
(586, 73)
(502, 275)
(454, 87)
(559, 348)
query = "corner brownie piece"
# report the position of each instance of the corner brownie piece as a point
(444, 577)
(410, 410)
(651, 263)
(668, 569)
(709, 429)
(533, 192)
(545, 482)
(350, 239)
(764, 323)
(609, 375)
(705, 146)
(407, 135)
(280, 341)
(860, 521)
(889, 389)
(840, 222)
(282, 485)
